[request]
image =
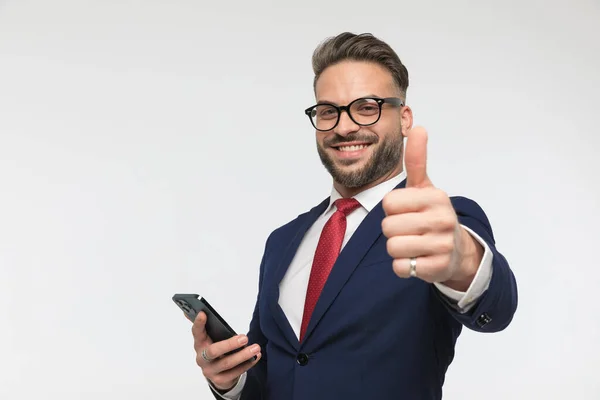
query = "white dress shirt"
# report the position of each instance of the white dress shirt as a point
(293, 286)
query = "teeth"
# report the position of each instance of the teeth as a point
(352, 148)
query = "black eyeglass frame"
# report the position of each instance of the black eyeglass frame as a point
(395, 101)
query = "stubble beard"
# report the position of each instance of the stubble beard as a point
(385, 158)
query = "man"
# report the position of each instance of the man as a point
(364, 296)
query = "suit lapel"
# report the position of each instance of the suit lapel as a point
(306, 222)
(355, 250)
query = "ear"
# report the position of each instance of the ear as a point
(407, 119)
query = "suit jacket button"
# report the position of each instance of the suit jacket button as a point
(302, 359)
(483, 320)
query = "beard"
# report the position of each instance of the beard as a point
(382, 161)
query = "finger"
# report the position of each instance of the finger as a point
(201, 338)
(415, 158)
(232, 361)
(430, 268)
(233, 373)
(419, 245)
(408, 200)
(418, 223)
(218, 349)
(405, 224)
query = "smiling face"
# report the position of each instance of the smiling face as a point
(359, 157)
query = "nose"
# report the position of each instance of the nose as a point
(345, 125)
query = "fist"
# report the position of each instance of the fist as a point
(420, 222)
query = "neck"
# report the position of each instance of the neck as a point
(347, 192)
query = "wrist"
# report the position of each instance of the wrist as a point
(222, 389)
(469, 257)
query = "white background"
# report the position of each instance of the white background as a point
(149, 147)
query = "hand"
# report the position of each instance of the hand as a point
(421, 222)
(222, 370)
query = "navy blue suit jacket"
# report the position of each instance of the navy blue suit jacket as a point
(372, 334)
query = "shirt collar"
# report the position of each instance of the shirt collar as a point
(369, 198)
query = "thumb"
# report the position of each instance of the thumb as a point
(201, 319)
(415, 158)
(199, 328)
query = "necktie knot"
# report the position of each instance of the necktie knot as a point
(346, 206)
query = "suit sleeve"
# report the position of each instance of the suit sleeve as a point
(497, 305)
(254, 385)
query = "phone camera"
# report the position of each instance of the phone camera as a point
(185, 306)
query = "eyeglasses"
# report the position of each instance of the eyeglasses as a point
(363, 111)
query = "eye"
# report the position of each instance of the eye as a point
(326, 112)
(366, 107)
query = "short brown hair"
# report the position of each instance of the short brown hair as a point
(359, 47)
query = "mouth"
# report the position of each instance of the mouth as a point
(350, 150)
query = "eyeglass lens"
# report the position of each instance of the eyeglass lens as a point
(362, 111)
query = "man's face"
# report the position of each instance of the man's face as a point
(357, 156)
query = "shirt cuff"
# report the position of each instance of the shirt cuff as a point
(235, 393)
(481, 282)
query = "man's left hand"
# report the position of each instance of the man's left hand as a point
(422, 223)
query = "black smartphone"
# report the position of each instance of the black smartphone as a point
(216, 327)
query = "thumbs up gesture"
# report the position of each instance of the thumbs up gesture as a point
(424, 236)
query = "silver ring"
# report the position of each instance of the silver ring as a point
(413, 267)
(205, 357)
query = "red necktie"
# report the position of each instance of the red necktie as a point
(328, 249)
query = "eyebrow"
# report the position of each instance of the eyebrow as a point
(360, 97)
